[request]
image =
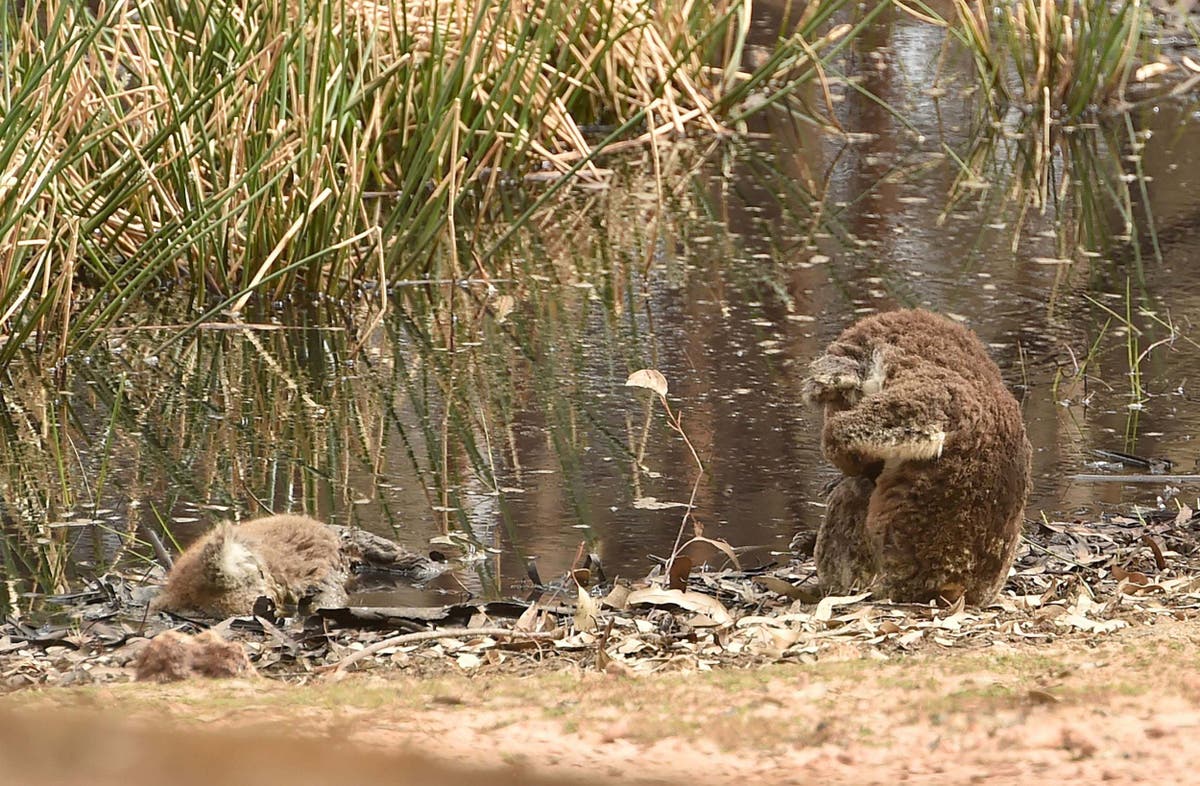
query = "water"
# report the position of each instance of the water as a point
(517, 436)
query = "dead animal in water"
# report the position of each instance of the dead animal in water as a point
(935, 461)
(289, 559)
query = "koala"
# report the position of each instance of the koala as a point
(934, 458)
(290, 559)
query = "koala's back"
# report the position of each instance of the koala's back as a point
(951, 526)
(302, 555)
(916, 341)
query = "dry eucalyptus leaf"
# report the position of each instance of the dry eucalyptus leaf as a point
(691, 601)
(652, 503)
(677, 577)
(586, 610)
(825, 608)
(617, 598)
(724, 547)
(1151, 70)
(649, 379)
(502, 306)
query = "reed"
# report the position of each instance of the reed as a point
(433, 422)
(257, 150)
(1058, 60)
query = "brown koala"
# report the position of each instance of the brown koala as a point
(935, 461)
(290, 559)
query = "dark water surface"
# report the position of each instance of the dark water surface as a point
(517, 435)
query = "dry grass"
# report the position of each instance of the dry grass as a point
(1066, 57)
(253, 147)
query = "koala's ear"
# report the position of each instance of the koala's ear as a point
(213, 556)
(832, 378)
(874, 374)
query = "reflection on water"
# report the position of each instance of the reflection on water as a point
(513, 427)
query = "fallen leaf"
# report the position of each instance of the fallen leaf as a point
(617, 598)
(724, 547)
(652, 503)
(649, 379)
(691, 601)
(677, 577)
(825, 608)
(1151, 70)
(586, 611)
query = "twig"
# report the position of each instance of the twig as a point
(431, 635)
(160, 551)
(1085, 478)
(674, 420)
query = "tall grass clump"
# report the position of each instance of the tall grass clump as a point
(248, 146)
(1051, 74)
(1056, 58)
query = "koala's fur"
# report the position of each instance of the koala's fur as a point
(935, 460)
(290, 559)
(171, 656)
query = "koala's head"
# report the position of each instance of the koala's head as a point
(230, 565)
(841, 380)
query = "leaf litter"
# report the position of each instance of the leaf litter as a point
(1071, 578)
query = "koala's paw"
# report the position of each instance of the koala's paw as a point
(910, 442)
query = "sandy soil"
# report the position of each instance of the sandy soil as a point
(1124, 707)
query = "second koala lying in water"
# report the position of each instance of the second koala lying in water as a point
(935, 461)
(290, 559)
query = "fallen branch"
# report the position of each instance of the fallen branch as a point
(1164, 478)
(431, 635)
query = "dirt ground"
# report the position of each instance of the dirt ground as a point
(1121, 706)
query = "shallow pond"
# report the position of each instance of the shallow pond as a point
(501, 417)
